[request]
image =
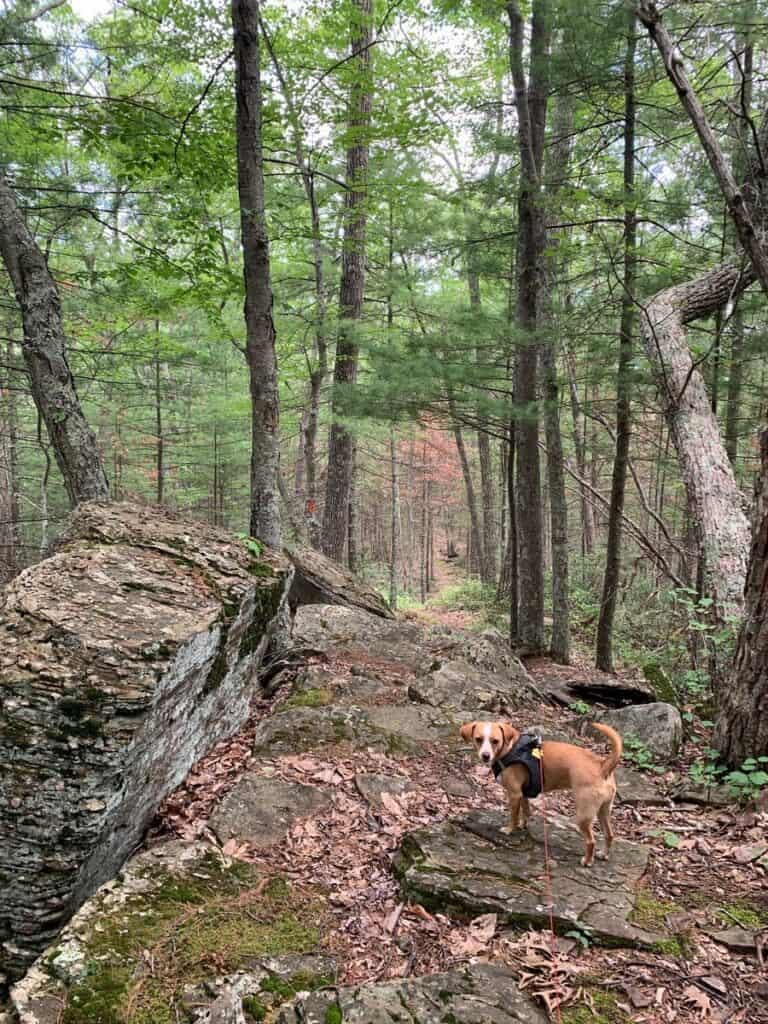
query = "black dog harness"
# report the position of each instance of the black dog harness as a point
(526, 751)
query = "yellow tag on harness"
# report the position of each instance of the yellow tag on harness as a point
(537, 752)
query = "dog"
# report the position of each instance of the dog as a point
(563, 766)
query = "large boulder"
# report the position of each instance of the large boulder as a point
(124, 658)
(657, 726)
(319, 580)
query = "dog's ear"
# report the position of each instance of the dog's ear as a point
(509, 732)
(467, 731)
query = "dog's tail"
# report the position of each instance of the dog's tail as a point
(617, 747)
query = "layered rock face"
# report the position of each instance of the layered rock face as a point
(124, 657)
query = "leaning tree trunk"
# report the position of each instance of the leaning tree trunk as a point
(531, 104)
(45, 356)
(341, 442)
(741, 722)
(713, 497)
(612, 576)
(260, 329)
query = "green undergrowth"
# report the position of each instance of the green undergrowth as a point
(142, 959)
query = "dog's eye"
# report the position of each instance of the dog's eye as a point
(495, 743)
(478, 740)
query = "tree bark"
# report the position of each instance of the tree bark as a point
(612, 576)
(713, 497)
(557, 173)
(341, 442)
(260, 329)
(306, 469)
(580, 446)
(531, 104)
(45, 355)
(395, 523)
(475, 545)
(741, 722)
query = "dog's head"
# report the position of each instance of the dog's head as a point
(490, 739)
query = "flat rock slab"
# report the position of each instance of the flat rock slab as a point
(740, 940)
(685, 792)
(460, 685)
(395, 729)
(467, 866)
(371, 787)
(478, 994)
(260, 811)
(413, 725)
(636, 788)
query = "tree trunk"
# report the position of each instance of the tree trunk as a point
(9, 553)
(341, 443)
(612, 577)
(741, 722)
(531, 104)
(395, 523)
(580, 446)
(159, 450)
(306, 467)
(474, 545)
(353, 554)
(260, 329)
(713, 497)
(45, 355)
(557, 173)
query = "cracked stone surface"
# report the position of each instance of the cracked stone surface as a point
(460, 684)
(124, 658)
(467, 866)
(260, 810)
(478, 994)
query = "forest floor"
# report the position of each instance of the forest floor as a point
(702, 872)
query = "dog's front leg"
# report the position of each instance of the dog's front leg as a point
(515, 805)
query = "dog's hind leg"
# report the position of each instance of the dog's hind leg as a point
(585, 827)
(604, 817)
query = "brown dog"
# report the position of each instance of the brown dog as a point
(564, 766)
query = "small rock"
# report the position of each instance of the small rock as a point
(260, 811)
(740, 940)
(747, 854)
(371, 787)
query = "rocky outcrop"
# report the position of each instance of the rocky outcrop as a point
(124, 657)
(476, 994)
(319, 580)
(467, 866)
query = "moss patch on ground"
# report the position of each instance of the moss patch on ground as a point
(747, 914)
(141, 960)
(651, 913)
(600, 1007)
(313, 698)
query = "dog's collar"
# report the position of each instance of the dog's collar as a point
(527, 751)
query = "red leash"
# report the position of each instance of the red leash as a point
(548, 878)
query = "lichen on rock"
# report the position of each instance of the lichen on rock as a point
(124, 657)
